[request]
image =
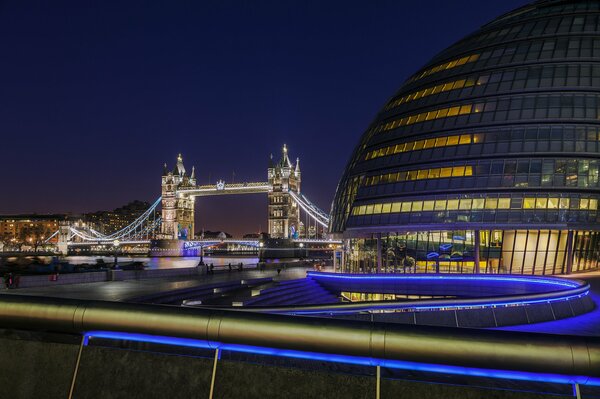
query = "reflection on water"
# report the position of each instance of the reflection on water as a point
(165, 262)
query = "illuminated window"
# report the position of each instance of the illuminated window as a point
(458, 171)
(553, 203)
(528, 203)
(465, 204)
(421, 144)
(491, 203)
(583, 203)
(406, 207)
(434, 173)
(396, 207)
(428, 205)
(446, 172)
(452, 85)
(445, 66)
(478, 203)
(452, 205)
(417, 206)
(541, 203)
(437, 114)
(503, 203)
(422, 174)
(440, 205)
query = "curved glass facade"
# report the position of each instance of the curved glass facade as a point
(486, 159)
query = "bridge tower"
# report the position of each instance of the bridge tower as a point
(284, 214)
(64, 233)
(177, 210)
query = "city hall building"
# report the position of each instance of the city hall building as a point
(486, 159)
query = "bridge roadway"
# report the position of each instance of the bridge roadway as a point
(121, 291)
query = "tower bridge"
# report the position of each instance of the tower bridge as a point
(179, 191)
(291, 215)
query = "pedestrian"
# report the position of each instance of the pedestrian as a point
(212, 269)
(229, 267)
(278, 271)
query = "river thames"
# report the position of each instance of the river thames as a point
(165, 262)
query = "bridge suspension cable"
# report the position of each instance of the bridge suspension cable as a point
(311, 209)
(142, 227)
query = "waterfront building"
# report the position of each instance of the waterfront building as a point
(30, 229)
(108, 222)
(486, 159)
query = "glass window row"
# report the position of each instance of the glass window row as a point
(437, 142)
(548, 26)
(513, 79)
(439, 88)
(567, 105)
(490, 216)
(490, 203)
(558, 138)
(582, 173)
(532, 50)
(446, 65)
(420, 174)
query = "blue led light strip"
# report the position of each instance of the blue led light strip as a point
(417, 308)
(383, 277)
(363, 361)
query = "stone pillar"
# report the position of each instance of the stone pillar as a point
(379, 257)
(569, 253)
(476, 254)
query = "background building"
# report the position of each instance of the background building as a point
(486, 159)
(28, 229)
(107, 222)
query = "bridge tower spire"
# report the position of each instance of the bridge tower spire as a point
(177, 211)
(284, 214)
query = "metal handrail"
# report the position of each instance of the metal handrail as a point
(500, 350)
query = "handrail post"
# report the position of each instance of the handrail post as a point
(81, 345)
(378, 383)
(214, 374)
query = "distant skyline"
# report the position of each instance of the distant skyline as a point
(96, 97)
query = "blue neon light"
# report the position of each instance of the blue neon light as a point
(363, 361)
(383, 277)
(417, 308)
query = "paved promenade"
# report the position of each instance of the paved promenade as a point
(124, 290)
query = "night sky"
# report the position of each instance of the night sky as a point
(96, 96)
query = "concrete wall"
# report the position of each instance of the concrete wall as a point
(34, 369)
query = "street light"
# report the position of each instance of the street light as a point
(116, 244)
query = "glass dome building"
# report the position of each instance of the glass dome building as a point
(486, 159)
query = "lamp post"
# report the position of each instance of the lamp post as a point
(116, 244)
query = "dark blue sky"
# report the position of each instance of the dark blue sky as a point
(95, 96)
